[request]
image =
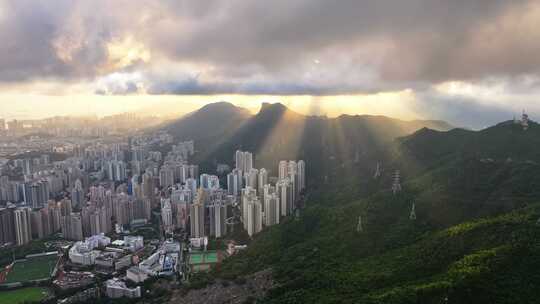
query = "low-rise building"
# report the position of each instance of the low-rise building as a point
(118, 289)
(82, 253)
(135, 274)
(123, 262)
(133, 243)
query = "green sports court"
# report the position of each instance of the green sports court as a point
(203, 260)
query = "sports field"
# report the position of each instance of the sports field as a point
(22, 295)
(32, 269)
(203, 257)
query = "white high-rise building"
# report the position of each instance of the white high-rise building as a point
(248, 161)
(234, 182)
(262, 180)
(271, 209)
(218, 216)
(166, 177)
(75, 227)
(248, 195)
(239, 158)
(77, 194)
(197, 216)
(268, 190)
(252, 177)
(283, 169)
(301, 175)
(286, 197)
(254, 217)
(166, 216)
(23, 228)
(244, 161)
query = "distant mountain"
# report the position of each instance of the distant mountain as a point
(277, 132)
(209, 125)
(505, 140)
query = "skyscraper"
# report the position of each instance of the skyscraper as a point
(244, 161)
(271, 209)
(254, 217)
(36, 224)
(285, 194)
(196, 217)
(148, 186)
(167, 216)
(23, 228)
(301, 175)
(283, 169)
(166, 177)
(248, 195)
(77, 194)
(218, 216)
(7, 226)
(234, 182)
(46, 220)
(76, 227)
(252, 177)
(239, 157)
(248, 161)
(262, 180)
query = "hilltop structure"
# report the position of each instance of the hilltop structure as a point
(412, 215)
(396, 184)
(524, 122)
(377, 171)
(359, 227)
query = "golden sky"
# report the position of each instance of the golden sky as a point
(472, 63)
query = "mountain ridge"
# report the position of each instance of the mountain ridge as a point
(276, 132)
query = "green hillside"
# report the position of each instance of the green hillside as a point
(475, 239)
(323, 259)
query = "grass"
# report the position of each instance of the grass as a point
(32, 269)
(31, 294)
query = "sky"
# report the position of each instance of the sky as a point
(470, 62)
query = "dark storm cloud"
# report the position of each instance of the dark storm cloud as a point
(431, 40)
(269, 47)
(61, 39)
(193, 86)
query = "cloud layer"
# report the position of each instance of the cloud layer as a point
(282, 47)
